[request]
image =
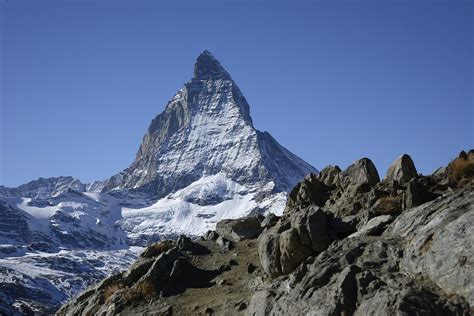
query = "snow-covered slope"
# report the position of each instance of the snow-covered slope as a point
(200, 161)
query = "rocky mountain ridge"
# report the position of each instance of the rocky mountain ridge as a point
(345, 244)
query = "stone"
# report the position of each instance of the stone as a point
(374, 227)
(269, 252)
(362, 173)
(330, 175)
(269, 221)
(239, 229)
(292, 251)
(401, 170)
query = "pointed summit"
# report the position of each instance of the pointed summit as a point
(207, 67)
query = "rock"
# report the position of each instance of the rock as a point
(157, 249)
(221, 241)
(330, 175)
(317, 228)
(269, 251)
(292, 251)
(309, 191)
(439, 242)
(269, 221)
(239, 229)
(374, 227)
(210, 235)
(401, 170)
(185, 244)
(362, 174)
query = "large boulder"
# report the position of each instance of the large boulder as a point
(401, 170)
(362, 173)
(269, 251)
(240, 229)
(308, 192)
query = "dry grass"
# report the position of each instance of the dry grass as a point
(144, 290)
(157, 249)
(109, 291)
(461, 168)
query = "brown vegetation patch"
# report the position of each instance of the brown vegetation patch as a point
(462, 168)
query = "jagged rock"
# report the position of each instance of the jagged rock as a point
(362, 174)
(401, 170)
(330, 175)
(240, 229)
(374, 227)
(309, 191)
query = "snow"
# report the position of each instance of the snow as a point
(37, 212)
(178, 213)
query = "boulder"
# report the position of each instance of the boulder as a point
(401, 170)
(374, 227)
(292, 251)
(308, 192)
(362, 173)
(269, 252)
(239, 229)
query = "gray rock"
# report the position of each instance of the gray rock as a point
(269, 251)
(362, 173)
(439, 242)
(401, 170)
(239, 229)
(374, 227)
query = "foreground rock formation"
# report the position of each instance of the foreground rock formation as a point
(347, 244)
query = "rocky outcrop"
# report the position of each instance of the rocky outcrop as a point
(380, 258)
(401, 170)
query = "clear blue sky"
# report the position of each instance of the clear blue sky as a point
(332, 81)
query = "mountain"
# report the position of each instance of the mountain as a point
(200, 161)
(346, 244)
(206, 129)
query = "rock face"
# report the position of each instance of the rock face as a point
(401, 170)
(380, 258)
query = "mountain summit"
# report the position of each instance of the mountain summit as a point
(206, 129)
(208, 67)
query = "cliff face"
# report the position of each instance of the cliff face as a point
(346, 244)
